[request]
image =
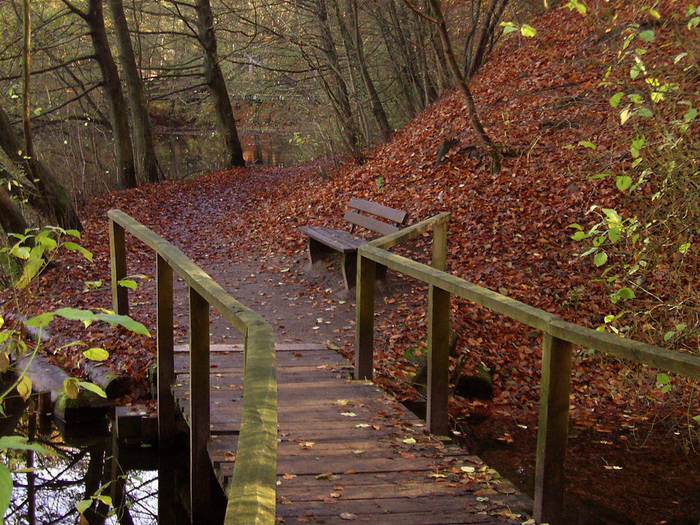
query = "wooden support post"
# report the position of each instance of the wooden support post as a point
(438, 341)
(364, 327)
(438, 361)
(440, 246)
(165, 358)
(553, 429)
(200, 493)
(117, 250)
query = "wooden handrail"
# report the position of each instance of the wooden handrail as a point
(559, 336)
(252, 490)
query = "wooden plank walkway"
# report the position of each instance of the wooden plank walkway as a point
(348, 451)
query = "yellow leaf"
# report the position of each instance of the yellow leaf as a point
(4, 362)
(24, 387)
(70, 385)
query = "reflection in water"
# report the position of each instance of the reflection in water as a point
(117, 485)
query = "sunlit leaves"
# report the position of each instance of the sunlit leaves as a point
(24, 387)
(96, 354)
(71, 388)
(576, 5)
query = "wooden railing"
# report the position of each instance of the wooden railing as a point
(559, 336)
(252, 490)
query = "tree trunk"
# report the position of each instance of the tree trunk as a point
(113, 90)
(475, 55)
(217, 84)
(375, 102)
(56, 201)
(11, 219)
(472, 114)
(143, 131)
(340, 95)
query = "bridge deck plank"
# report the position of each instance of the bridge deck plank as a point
(347, 450)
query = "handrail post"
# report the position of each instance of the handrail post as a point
(364, 325)
(438, 341)
(200, 493)
(165, 358)
(553, 429)
(117, 251)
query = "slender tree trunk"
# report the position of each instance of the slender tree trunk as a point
(143, 131)
(475, 55)
(217, 84)
(11, 219)
(375, 102)
(472, 114)
(55, 199)
(408, 54)
(342, 101)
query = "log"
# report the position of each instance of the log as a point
(113, 383)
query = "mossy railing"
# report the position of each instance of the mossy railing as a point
(252, 490)
(559, 336)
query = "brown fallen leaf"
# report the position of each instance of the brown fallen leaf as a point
(349, 516)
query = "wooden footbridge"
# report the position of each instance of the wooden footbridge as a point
(292, 439)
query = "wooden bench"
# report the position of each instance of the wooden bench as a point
(363, 213)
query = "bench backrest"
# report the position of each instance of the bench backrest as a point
(372, 213)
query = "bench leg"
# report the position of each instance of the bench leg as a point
(381, 272)
(350, 269)
(318, 251)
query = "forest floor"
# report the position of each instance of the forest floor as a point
(633, 449)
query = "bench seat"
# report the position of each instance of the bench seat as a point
(340, 240)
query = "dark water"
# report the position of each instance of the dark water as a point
(118, 482)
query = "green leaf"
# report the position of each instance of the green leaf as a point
(40, 321)
(83, 505)
(576, 226)
(75, 314)
(333, 346)
(21, 252)
(690, 114)
(576, 5)
(71, 387)
(409, 441)
(662, 379)
(647, 35)
(612, 216)
(680, 57)
(125, 321)
(697, 419)
(645, 112)
(34, 263)
(587, 144)
(22, 443)
(96, 354)
(600, 175)
(105, 499)
(128, 283)
(528, 31)
(623, 182)
(622, 295)
(92, 285)
(668, 335)
(92, 387)
(46, 242)
(600, 258)
(579, 236)
(508, 27)
(637, 145)
(683, 248)
(72, 246)
(616, 98)
(5, 488)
